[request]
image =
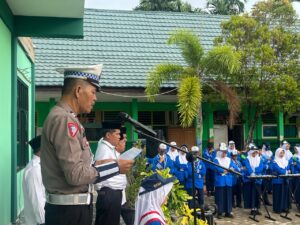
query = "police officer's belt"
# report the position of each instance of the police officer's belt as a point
(71, 199)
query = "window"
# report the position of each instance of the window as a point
(92, 124)
(268, 118)
(269, 131)
(145, 118)
(290, 131)
(22, 125)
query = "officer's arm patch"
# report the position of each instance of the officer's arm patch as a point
(73, 129)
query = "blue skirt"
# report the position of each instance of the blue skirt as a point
(281, 198)
(251, 195)
(223, 199)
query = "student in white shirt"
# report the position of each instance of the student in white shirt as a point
(33, 188)
(111, 193)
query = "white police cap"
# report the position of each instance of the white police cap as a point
(89, 73)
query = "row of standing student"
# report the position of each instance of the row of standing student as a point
(226, 187)
(253, 163)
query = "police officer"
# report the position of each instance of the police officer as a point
(66, 159)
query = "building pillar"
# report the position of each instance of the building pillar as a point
(259, 131)
(51, 103)
(246, 123)
(280, 126)
(211, 125)
(208, 125)
(134, 115)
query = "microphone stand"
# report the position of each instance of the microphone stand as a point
(191, 158)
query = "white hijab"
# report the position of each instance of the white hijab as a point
(231, 150)
(287, 153)
(151, 201)
(281, 162)
(254, 161)
(223, 161)
(173, 154)
(182, 158)
(298, 152)
(267, 153)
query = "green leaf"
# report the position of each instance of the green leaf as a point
(161, 73)
(189, 99)
(190, 46)
(222, 60)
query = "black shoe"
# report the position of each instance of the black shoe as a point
(252, 212)
(219, 216)
(239, 206)
(229, 215)
(268, 203)
(233, 206)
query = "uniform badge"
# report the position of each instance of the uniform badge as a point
(73, 129)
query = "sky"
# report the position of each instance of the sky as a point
(130, 4)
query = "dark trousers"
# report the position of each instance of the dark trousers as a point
(199, 196)
(108, 207)
(237, 194)
(223, 199)
(209, 180)
(68, 214)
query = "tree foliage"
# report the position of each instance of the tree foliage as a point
(225, 7)
(200, 69)
(269, 49)
(164, 5)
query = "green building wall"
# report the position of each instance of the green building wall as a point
(24, 64)
(6, 115)
(12, 57)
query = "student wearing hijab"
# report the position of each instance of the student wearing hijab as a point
(162, 160)
(173, 153)
(296, 170)
(223, 182)
(236, 182)
(210, 155)
(265, 182)
(231, 148)
(286, 147)
(253, 166)
(152, 195)
(180, 165)
(281, 194)
(200, 171)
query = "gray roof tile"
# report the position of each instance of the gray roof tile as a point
(128, 43)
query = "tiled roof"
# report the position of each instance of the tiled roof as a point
(128, 43)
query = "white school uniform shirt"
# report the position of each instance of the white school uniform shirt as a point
(34, 193)
(105, 150)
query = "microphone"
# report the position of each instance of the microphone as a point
(136, 124)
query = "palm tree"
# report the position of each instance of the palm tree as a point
(225, 7)
(164, 5)
(201, 69)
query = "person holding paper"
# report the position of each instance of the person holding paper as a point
(110, 192)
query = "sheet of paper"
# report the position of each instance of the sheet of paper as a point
(130, 154)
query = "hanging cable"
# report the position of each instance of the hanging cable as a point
(134, 96)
